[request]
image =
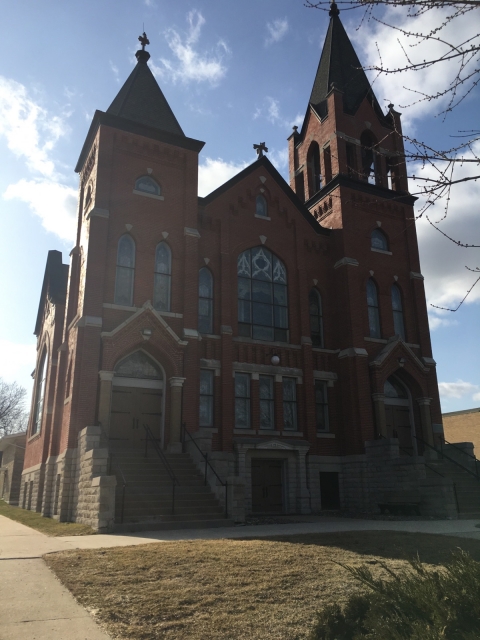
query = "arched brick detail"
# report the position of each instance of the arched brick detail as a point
(161, 344)
(413, 372)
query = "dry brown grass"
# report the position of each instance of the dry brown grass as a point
(48, 526)
(259, 589)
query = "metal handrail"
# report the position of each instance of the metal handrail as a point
(185, 432)
(163, 458)
(470, 455)
(110, 459)
(444, 455)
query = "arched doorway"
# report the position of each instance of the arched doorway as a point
(399, 415)
(137, 399)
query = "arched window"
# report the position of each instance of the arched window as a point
(373, 314)
(393, 389)
(378, 240)
(316, 321)
(205, 301)
(146, 184)
(125, 271)
(88, 198)
(368, 142)
(138, 365)
(262, 296)
(397, 309)
(40, 382)
(261, 207)
(313, 163)
(163, 277)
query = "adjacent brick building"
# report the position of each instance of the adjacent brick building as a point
(284, 325)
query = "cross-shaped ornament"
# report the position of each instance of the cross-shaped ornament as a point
(143, 40)
(260, 149)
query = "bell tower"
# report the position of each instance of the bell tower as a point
(346, 140)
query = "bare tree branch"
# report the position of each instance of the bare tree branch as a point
(13, 416)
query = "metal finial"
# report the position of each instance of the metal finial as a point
(143, 40)
(334, 10)
(260, 149)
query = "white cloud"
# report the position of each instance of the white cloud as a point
(279, 159)
(213, 173)
(270, 110)
(188, 64)
(17, 362)
(458, 389)
(54, 203)
(394, 46)
(115, 70)
(443, 263)
(276, 31)
(30, 131)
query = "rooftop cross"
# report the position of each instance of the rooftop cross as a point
(260, 149)
(143, 40)
(334, 10)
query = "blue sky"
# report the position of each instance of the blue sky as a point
(234, 74)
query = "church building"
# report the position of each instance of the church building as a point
(261, 350)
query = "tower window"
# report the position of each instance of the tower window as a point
(146, 184)
(397, 308)
(313, 163)
(351, 160)
(316, 320)
(369, 169)
(163, 277)
(378, 240)
(262, 296)
(373, 312)
(125, 273)
(261, 208)
(205, 301)
(327, 164)
(40, 382)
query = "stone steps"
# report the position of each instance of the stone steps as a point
(466, 485)
(148, 495)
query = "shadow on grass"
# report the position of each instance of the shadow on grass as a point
(48, 526)
(393, 545)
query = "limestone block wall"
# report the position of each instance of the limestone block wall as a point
(11, 474)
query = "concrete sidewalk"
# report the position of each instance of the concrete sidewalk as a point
(35, 606)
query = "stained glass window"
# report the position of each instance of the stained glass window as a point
(397, 308)
(378, 240)
(373, 313)
(266, 392)
(393, 389)
(205, 301)
(125, 271)
(321, 405)
(148, 185)
(163, 277)
(206, 398)
(138, 365)
(262, 296)
(316, 320)
(261, 207)
(242, 400)
(40, 382)
(289, 404)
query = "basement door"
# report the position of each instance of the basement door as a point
(267, 486)
(132, 407)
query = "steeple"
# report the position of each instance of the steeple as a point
(340, 68)
(141, 99)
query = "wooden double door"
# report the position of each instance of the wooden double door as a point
(267, 486)
(132, 407)
(399, 426)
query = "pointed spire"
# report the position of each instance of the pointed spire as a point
(141, 99)
(340, 69)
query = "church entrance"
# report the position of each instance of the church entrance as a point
(267, 486)
(399, 415)
(137, 399)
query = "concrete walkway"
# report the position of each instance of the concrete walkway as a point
(35, 606)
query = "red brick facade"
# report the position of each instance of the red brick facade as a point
(324, 244)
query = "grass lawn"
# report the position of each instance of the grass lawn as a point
(49, 526)
(259, 589)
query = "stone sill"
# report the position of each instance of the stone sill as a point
(387, 253)
(148, 195)
(322, 434)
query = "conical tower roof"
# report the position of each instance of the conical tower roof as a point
(340, 67)
(141, 99)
